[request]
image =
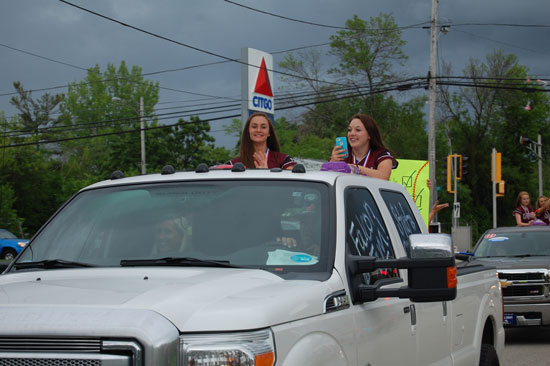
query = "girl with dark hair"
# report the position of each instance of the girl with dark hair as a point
(260, 147)
(367, 151)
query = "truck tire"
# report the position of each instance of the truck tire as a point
(8, 254)
(488, 355)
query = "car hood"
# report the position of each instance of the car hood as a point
(13, 241)
(193, 299)
(515, 262)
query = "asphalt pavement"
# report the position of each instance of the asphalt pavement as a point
(527, 347)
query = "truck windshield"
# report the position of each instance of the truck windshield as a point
(279, 226)
(514, 244)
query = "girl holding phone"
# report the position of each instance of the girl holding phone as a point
(366, 150)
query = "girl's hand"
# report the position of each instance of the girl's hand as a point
(260, 160)
(338, 154)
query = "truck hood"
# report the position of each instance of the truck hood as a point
(193, 299)
(515, 262)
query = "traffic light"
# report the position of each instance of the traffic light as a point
(525, 140)
(450, 173)
(500, 188)
(500, 185)
(498, 167)
(463, 167)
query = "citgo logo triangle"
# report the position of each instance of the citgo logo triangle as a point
(263, 86)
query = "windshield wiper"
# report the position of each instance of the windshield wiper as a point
(176, 261)
(529, 255)
(52, 263)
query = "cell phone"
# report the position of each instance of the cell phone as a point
(343, 143)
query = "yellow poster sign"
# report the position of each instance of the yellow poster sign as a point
(414, 174)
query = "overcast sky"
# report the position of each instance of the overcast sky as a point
(54, 30)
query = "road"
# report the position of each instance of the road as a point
(527, 347)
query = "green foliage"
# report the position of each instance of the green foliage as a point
(34, 115)
(480, 119)
(303, 146)
(184, 146)
(108, 103)
(368, 51)
(98, 132)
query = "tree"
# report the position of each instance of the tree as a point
(107, 104)
(34, 115)
(185, 145)
(367, 51)
(480, 118)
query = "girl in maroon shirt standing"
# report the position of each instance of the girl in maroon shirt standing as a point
(367, 150)
(260, 147)
(523, 212)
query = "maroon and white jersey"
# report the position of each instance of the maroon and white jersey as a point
(275, 159)
(524, 212)
(372, 159)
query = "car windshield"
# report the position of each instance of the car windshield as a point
(4, 234)
(510, 244)
(280, 226)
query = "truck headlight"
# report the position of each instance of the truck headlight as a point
(228, 349)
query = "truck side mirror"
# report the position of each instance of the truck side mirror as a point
(431, 272)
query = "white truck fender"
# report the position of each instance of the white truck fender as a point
(315, 349)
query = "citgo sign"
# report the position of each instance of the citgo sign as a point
(257, 78)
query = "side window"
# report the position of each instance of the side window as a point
(366, 233)
(402, 216)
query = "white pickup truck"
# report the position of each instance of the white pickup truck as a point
(245, 267)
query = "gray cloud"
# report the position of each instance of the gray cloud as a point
(61, 32)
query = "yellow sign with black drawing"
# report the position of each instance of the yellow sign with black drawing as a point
(414, 174)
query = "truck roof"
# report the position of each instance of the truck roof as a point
(224, 174)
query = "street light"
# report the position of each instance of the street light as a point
(536, 148)
(141, 129)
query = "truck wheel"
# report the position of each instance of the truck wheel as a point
(8, 254)
(488, 355)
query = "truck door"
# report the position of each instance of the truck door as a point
(384, 330)
(432, 319)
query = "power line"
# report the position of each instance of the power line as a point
(110, 133)
(501, 42)
(153, 72)
(43, 57)
(416, 85)
(188, 45)
(316, 24)
(502, 25)
(294, 100)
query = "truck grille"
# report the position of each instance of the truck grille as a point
(524, 284)
(81, 345)
(523, 291)
(536, 276)
(48, 362)
(28, 351)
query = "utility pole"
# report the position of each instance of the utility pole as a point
(142, 132)
(539, 157)
(494, 181)
(432, 88)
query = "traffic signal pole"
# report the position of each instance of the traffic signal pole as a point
(539, 156)
(494, 180)
(432, 95)
(456, 205)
